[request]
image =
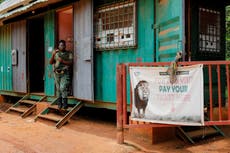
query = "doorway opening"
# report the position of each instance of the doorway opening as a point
(65, 32)
(36, 54)
(65, 26)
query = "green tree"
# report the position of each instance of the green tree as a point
(228, 33)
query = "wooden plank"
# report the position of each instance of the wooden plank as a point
(18, 109)
(51, 117)
(29, 111)
(202, 132)
(55, 107)
(28, 102)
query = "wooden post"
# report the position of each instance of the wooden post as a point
(120, 130)
(124, 94)
(210, 92)
(2, 99)
(219, 93)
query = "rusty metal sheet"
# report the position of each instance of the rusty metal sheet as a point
(83, 65)
(19, 44)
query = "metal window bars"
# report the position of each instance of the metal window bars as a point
(115, 26)
(209, 31)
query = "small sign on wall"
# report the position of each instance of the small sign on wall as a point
(14, 55)
(50, 49)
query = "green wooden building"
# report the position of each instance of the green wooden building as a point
(102, 34)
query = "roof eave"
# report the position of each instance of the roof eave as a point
(20, 11)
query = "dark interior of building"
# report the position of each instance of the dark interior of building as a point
(35, 38)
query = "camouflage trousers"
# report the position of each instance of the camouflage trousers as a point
(62, 82)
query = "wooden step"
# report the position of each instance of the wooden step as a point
(197, 133)
(56, 108)
(19, 109)
(51, 117)
(28, 102)
(202, 132)
(69, 115)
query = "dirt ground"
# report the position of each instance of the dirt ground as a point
(88, 134)
(26, 136)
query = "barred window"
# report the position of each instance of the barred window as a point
(115, 26)
(209, 31)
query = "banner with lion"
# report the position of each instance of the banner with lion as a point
(157, 100)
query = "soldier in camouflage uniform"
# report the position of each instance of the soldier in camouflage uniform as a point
(62, 60)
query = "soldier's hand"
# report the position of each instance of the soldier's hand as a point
(60, 59)
(54, 53)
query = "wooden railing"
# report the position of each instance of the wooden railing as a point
(216, 76)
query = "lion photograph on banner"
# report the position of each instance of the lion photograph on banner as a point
(141, 93)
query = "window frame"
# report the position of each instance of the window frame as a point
(123, 33)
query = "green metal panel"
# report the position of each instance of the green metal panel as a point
(5, 58)
(106, 61)
(49, 32)
(1, 60)
(1, 64)
(169, 29)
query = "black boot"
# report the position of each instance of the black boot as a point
(59, 102)
(65, 103)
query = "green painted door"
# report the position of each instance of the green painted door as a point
(49, 33)
(5, 59)
(169, 29)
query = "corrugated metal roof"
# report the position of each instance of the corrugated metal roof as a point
(8, 5)
(21, 9)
